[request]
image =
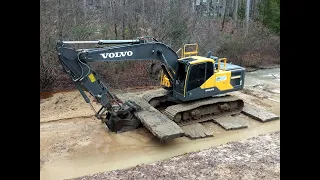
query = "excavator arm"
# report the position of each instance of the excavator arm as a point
(75, 63)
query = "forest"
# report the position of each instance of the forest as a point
(246, 32)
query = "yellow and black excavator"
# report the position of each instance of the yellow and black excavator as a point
(195, 88)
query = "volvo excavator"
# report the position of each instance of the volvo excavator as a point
(194, 88)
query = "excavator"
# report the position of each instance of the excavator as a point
(194, 88)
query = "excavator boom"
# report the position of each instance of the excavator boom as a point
(75, 62)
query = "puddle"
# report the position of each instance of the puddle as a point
(128, 150)
(266, 76)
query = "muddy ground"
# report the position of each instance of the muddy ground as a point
(254, 158)
(73, 143)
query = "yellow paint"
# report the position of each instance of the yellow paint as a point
(202, 60)
(221, 85)
(189, 53)
(170, 74)
(92, 78)
(164, 80)
(224, 64)
(199, 59)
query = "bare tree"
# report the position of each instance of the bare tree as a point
(224, 13)
(114, 12)
(60, 19)
(253, 9)
(247, 17)
(235, 12)
(124, 9)
(173, 22)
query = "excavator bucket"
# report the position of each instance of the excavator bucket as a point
(123, 119)
(135, 112)
(157, 123)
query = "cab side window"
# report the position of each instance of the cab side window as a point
(210, 70)
(199, 74)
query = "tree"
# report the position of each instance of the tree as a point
(224, 12)
(247, 17)
(271, 14)
(235, 13)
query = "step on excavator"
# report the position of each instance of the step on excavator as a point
(194, 88)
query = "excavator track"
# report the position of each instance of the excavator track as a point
(196, 111)
(156, 97)
(204, 110)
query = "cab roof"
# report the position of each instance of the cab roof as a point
(196, 60)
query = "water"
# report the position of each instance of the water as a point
(130, 149)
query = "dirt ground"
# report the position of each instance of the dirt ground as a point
(254, 158)
(73, 143)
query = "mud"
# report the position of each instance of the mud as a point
(65, 105)
(254, 158)
(91, 150)
(73, 143)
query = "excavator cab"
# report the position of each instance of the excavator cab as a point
(186, 51)
(199, 77)
(191, 73)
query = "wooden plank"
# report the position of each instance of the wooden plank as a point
(195, 131)
(209, 125)
(230, 122)
(159, 124)
(258, 114)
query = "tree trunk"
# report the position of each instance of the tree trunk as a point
(143, 16)
(193, 6)
(253, 12)
(123, 19)
(84, 9)
(114, 19)
(59, 20)
(235, 13)
(208, 8)
(247, 16)
(265, 8)
(224, 13)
